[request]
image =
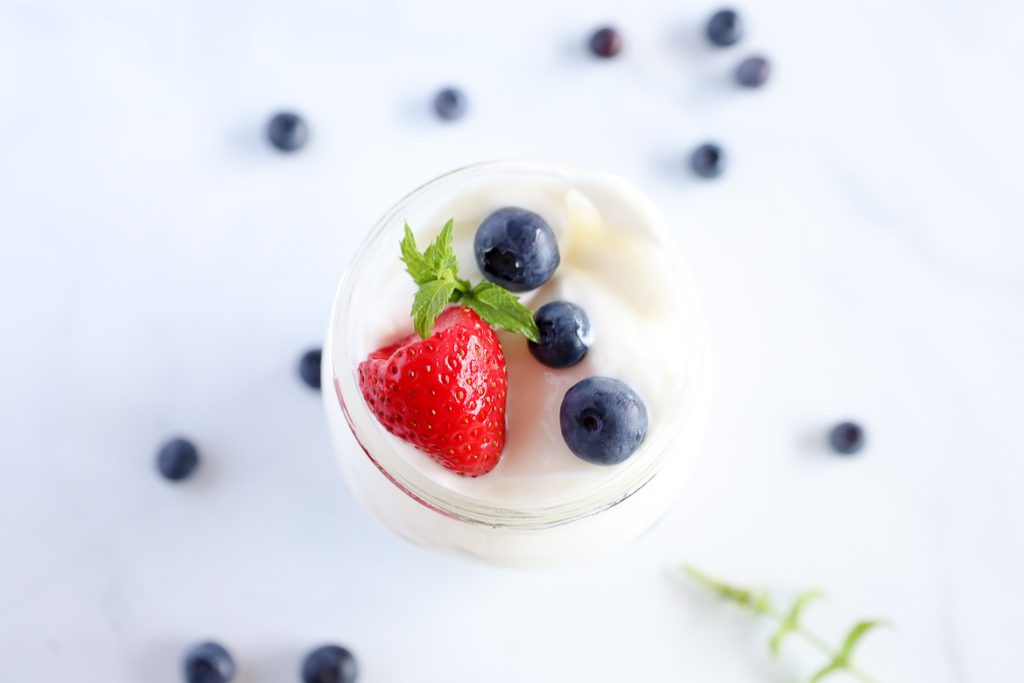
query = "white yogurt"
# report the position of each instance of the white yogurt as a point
(541, 503)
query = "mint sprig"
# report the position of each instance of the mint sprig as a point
(436, 271)
(839, 658)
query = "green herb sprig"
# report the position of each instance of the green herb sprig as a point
(759, 602)
(436, 272)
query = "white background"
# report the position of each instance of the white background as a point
(161, 269)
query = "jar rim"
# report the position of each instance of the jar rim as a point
(374, 440)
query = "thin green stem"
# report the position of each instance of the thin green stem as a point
(822, 646)
(757, 605)
(815, 641)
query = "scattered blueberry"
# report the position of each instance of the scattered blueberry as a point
(708, 160)
(606, 42)
(753, 72)
(516, 249)
(329, 664)
(847, 438)
(603, 420)
(209, 663)
(724, 28)
(287, 131)
(450, 104)
(177, 459)
(564, 334)
(309, 368)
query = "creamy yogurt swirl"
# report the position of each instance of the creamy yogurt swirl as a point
(617, 263)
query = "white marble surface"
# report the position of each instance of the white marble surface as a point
(161, 269)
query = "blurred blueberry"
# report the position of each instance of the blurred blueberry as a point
(606, 42)
(329, 664)
(450, 104)
(708, 160)
(847, 438)
(177, 459)
(287, 131)
(724, 28)
(309, 368)
(753, 72)
(209, 663)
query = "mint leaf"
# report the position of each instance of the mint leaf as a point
(436, 272)
(415, 262)
(840, 659)
(759, 602)
(502, 309)
(440, 256)
(792, 620)
(854, 636)
(843, 659)
(430, 300)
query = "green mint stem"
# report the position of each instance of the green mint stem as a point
(759, 604)
(436, 274)
(822, 646)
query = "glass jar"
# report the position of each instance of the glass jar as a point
(419, 508)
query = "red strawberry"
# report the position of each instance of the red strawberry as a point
(444, 394)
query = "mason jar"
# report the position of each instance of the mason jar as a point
(422, 508)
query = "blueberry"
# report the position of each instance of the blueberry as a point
(309, 368)
(564, 334)
(209, 663)
(450, 104)
(846, 438)
(287, 131)
(724, 28)
(753, 72)
(329, 664)
(603, 420)
(606, 42)
(516, 249)
(177, 459)
(708, 160)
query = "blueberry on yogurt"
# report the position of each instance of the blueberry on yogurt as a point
(516, 249)
(565, 334)
(603, 420)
